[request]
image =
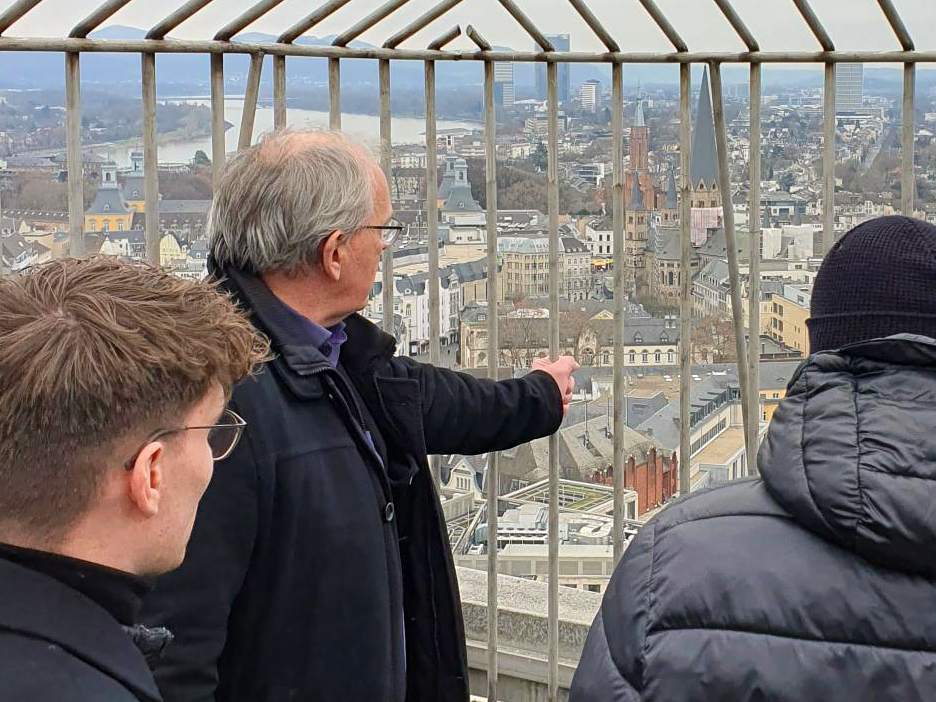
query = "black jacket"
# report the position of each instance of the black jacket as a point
(57, 645)
(816, 582)
(310, 544)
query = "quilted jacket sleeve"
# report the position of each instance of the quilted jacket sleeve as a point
(612, 664)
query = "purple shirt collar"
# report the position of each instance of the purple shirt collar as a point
(327, 340)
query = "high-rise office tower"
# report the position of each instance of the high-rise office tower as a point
(504, 83)
(849, 86)
(560, 42)
(590, 95)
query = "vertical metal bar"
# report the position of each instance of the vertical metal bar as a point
(334, 94)
(685, 281)
(217, 117)
(493, 472)
(250, 101)
(731, 244)
(279, 92)
(617, 241)
(76, 241)
(754, 160)
(150, 156)
(828, 159)
(907, 176)
(432, 226)
(552, 179)
(386, 160)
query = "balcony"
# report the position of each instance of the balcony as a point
(526, 646)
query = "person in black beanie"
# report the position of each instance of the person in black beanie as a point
(814, 581)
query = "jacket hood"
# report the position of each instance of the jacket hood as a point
(851, 451)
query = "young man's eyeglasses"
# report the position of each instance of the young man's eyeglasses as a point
(222, 437)
(390, 231)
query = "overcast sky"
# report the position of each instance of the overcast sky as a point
(853, 24)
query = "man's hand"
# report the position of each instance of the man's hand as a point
(561, 371)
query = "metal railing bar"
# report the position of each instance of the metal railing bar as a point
(183, 46)
(828, 159)
(176, 18)
(96, 18)
(74, 156)
(150, 156)
(218, 148)
(907, 175)
(432, 228)
(334, 94)
(14, 12)
(664, 24)
(279, 92)
(617, 251)
(897, 24)
(476, 37)
(552, 197)
(386, 163)
(754, 161)
(815, 26)
(420, 23)
(449, 36)
(310, 20)
(251, 93)
(527, 25)
(685, 279)
(251, 15)
(493, 471)
(734, 19)
(595, 24)
(372, 19)
(731, 244)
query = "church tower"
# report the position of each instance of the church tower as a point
(703, 172)
(670, 211)
(635, 234)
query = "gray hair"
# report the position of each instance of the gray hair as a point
(278, 200)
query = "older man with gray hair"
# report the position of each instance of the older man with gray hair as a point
(319, 568)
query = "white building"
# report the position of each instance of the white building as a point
(590, 95)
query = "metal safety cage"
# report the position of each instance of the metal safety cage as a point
(156, 42)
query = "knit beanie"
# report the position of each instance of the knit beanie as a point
(878, 280)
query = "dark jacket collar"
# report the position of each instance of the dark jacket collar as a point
(38, 605)
(367, 345)
(851, 451)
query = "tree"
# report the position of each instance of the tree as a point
(540, 157)
(185, 186)
(713, 340)
(201, 160)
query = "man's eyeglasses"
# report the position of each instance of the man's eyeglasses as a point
(390, 232)
(222, 437)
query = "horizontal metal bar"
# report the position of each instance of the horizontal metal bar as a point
(420, 23)
(595, 24)
(822, 36)
(476, 37)
(184, 46)
(382, 12)
(175, 19)
(14, 12)
(96, 18)
(449, 36)
(527, 25)
(310, 20)
(734, 19)
(896, 23)
(664, 24)
(236, 26)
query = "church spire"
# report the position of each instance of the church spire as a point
(671, 198)
(639, 120)
(636, 198)
(704, 166)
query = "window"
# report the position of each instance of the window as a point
(136, 194)
(638, 339)
(664, 338)
(645, 357)
(106, 207)
(92, 226)
(120, 226)
(670, 357)
(633, 358)
(105, 226)
(593, 588)
(656, 357)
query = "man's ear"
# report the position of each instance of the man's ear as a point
(146, 479)
(331, 255)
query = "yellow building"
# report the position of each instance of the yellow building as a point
(773, 377)
(133, 192)
(170, 250)
(109, 211)
(789, 311)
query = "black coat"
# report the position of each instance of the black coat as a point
(816, 582)
(307, 551)
(56, 645)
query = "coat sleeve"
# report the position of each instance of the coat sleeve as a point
(468, 415)
(612, 665)
(195, 601)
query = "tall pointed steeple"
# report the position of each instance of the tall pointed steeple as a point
(704, 168)
(672, 200)
(636, 198)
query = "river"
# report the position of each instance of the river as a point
(404, 130)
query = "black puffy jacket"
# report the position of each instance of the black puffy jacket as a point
(816, 582)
